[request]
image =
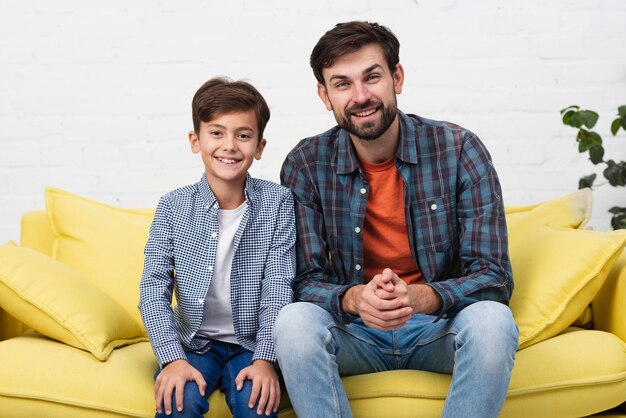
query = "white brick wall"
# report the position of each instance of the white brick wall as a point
(95, 96)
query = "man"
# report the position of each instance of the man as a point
(402, 256)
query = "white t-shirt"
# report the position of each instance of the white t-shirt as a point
(217, 320)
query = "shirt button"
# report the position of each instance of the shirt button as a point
(207, 207)
(357, 229)
(215, 206)
(357, 267)
(213, 234)
(433, 207)
(363, 191)
(210, 268)
(201, 301)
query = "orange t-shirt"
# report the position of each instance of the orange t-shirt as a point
(385, 236)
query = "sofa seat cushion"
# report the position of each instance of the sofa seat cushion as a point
(46, 375)
(573, 374)
(576, 373)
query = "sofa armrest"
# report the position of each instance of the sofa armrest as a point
(609, 305)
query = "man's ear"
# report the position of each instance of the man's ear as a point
(398, 78)
(323, 94)
(194, 141)
(259, 149)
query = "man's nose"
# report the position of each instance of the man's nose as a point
(361, 93)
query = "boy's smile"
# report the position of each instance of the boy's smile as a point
(228, 145)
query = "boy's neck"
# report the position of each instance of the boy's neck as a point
(229, 195)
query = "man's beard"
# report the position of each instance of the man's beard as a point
(370, 130)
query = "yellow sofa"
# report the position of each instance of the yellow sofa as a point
(79, 256)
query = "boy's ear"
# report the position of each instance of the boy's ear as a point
(323, 94)
(194, 141)
(259, 149)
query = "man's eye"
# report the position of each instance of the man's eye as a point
(373, 77)
(341, 84)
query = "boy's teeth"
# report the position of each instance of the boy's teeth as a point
(227, 160)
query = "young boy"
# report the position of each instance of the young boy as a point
(225, 248)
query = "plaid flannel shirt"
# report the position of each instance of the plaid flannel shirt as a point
(179, 259)
(454, 215)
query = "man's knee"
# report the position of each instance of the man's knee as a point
(299, 326)
(297, 318)
(492, 324)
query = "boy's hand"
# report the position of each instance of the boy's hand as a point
(173, 377)
(264, 383)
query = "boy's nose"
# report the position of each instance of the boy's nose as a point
(229, 142)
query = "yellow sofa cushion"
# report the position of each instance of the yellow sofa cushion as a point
(102, 242)
(60, 303)
(543, 383)
(557, 269)
(572, 210)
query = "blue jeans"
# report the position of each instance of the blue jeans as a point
(477, 346)
(219, 367)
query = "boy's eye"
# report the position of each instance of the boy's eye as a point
(245, 136)
(215, 133)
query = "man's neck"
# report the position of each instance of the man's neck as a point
(381, 149)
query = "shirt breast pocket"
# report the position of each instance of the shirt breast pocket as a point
(434, 222)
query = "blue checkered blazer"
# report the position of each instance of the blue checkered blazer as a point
(179, 260)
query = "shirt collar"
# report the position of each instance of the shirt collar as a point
(209, 198)
(347, 161)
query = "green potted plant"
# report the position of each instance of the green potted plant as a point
(591, 142)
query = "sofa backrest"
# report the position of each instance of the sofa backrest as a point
(36, 232)
(608, 308)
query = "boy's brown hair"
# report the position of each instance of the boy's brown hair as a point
(222, 95)
(348, 37)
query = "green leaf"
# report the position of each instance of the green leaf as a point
(571, 107)
(615, 173)
(623, 122)
(596, 153)
(615, 125)
(587, 140)
(587, 181)
(589, 118)
(568, 119)
(618, 221)
(622, 111)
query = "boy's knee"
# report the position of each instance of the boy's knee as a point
(194, 404)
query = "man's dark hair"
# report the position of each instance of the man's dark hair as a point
(348, 37)
(221, 95)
